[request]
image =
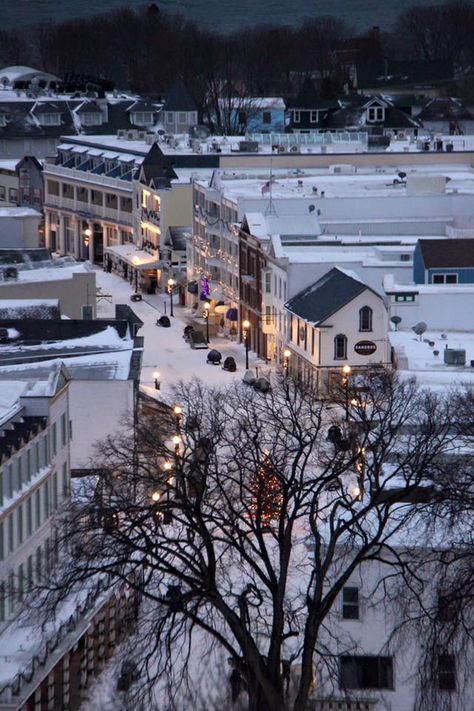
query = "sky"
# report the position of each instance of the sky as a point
(220, 15)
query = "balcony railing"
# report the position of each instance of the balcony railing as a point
(152, 216)
(89, 178)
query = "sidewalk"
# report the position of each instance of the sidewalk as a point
(165, 350)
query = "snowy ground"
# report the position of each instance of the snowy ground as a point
(165, 350)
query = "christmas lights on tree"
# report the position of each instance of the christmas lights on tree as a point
(266, 493)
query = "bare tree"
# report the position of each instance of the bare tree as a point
(240, 518)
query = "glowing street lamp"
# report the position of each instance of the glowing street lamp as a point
(286, 360)
(156, 377)
(171, 283)
(246, 336)
(205, 315)
(178, 411)
(346, 371)
(136, 262)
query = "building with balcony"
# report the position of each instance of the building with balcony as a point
(89, 199)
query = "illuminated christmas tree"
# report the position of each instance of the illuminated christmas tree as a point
(266, 493)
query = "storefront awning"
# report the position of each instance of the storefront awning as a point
(127, 253)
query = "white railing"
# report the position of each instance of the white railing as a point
(89, 178)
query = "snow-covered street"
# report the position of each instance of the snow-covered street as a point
(165, 349)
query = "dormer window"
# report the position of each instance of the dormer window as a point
(375, 113)
(296, 117)
(49, 119)
(93, 118)
(313, 116)
(142, 118)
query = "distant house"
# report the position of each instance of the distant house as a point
(401, 76)
(308, 112)
(377, 115)
(264, 114)
(30, 183)
(444, 261)
(180, 111)
(336, 321)
(447, 115)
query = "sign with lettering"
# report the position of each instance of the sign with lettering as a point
(365, 347)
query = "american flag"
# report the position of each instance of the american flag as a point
(266, 187)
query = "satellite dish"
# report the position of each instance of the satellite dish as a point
(420, 328)
(396, 320)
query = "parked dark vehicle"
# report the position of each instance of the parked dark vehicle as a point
(263, 385)
(164, 322)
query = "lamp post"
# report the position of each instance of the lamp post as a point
(136, 262)
(168, 516)
(177, 414)
(246, 335)
(156, 378)
(87, 238)
(205, 313)
(286, 360)
(171, 284)
(345, 379)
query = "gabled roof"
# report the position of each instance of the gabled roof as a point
(328, 295)
(156, 168)
(179, 98)
(48, 107)
(449, 253)
(446, 109)
(89, 107)
(143, 105)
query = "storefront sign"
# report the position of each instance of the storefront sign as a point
(365, 348)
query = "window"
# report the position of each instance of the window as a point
(46, 499)
(340, 347)
(366, 672)
(350, 603)
(21, 582)
(296, 117)
(2, 476)
(169, 116)
(65, 480)
(3, 192)
(375, 113)
(444, 278)
(313, 116)
(2, 602)
(268, 282)
(267, 117)
(54, 441)
(39, 562)
(11, 593)
(142, 118)
(446, 672)
(2, 554)
(91, 119)
(365, 319)
(63, 430)
(182, 117)
(19, 524)
(29, 517)
(55, 490)
(12, 194)
(46, 449)
(3, 120)
(38, 508)
(29, 572)
(28, 465)
(11, 534)
(50, 119)
(401, 298)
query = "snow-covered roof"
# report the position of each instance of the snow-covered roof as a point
(19, 212)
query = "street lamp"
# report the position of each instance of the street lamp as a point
(171, 283)
(205, 314)
(345, 379)
(156, 377)
(136, 262)
(246, 335)
(87, 238)
(286, 360)
(177, 413)
(176, 442)
(168, 516)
